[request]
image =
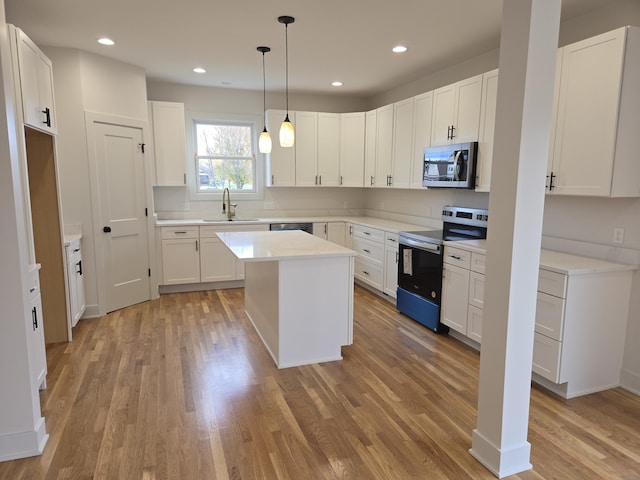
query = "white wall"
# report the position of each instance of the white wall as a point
(86, 82)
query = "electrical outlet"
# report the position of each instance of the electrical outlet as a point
(269, 206)
(618, 235)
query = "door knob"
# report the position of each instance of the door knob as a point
(106, 229)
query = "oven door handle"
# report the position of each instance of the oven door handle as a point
(420, 244)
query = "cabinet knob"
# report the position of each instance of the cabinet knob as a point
(106, 229)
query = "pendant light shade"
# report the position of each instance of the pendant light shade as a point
(287, 133)
(264, 143)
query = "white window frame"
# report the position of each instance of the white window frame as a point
(192, 164)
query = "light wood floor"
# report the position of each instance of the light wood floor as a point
(182, 388)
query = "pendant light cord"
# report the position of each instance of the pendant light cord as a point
(264, 95)
(286, 47)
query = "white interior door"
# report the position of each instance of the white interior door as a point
(122, 217)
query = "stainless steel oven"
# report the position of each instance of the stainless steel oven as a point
(420, 263)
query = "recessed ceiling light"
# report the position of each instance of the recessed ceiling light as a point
(106, 41)
(336, 84)
(199, 70)
(399, 49)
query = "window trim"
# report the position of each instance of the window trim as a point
(192, 168)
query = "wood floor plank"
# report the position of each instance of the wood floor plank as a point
(183, 388)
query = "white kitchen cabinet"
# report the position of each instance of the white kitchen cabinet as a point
(391, 264)
(328, 149)
(352, 139)
(306, 147)
(75, 295)
(36, 83)
(281, 162)
(371, 126)
(180, 255)
(597, 117)
(402, 143)
(384, 147)
(348, 235)
(456, 112)
(320, 229)
(455, 297)
(369, 263)
(167, 123)
(487, 130)
(336, 232)
(422, 112)
(37, 352)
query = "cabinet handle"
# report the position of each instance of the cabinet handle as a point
(350, 229)
(196, 245)
(453, 135)
(316, 180)
(371, 179)
(272, 180)
(34, 317)
(184, 175)
(76, 250)
(79, 265)
(551, 181)
(367, 233)
(389, 180)
(320, 177)
(33, 289)
(448, 132)
(47, 117)
(455, 257)
(325, 228)
(365, 250)
(397, 255)
(180, 233)
(365, 272)
(340, 179)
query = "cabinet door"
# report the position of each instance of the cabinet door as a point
(546, 357)
(455, 297)
(467, 111)
(76, 287)
(390, 271)
(180, 261)
(36, 84)
(336, 232)
(37, 352)
(281, 167)
(306, 147)
(474, 324)
(444, 101)
(587, 121)
(80, 295)
(549, 315)
(217, 263)
(320, 229)
(402, 143)
(487, 129)
(168, 124)
(476, 289)
(352, 138)
(328, 149)
(422, 110)
(371, 127)
(348, 236)
(384, 146)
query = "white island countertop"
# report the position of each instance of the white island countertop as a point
(280, 245)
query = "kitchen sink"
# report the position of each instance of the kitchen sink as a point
(223, 220)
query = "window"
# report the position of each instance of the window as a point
(225, 156)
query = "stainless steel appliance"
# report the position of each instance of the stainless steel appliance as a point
(305, 227)
(420, 263)
(452, 166)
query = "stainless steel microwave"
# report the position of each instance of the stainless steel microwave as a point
(452, 166)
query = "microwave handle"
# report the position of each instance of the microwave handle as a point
(456, 166)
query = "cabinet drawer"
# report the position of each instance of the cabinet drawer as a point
(552, 283)
(478, 261)
(476, 289)
(369, 250)
(549, 315)
(209, 231)
(179, 232)
(372, 234)
(368, 273)
(474, 323)
(546, 357)
(457, 256)
(391, 239)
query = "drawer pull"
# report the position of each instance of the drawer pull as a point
(365, 272)
(76, 250)
(455, 257)
(367, 233)
(180, 233)
(31, 290)
(365, 250)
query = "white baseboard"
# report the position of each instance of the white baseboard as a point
(24, 444)
(630, 381)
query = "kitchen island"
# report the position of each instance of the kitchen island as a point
(298, 293)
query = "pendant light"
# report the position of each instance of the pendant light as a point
(264, 143)
(287, 134)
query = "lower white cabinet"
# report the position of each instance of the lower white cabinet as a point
(320, 229)
(180, 255)
(333, 231)
(75, 296)
(369, 263)
(390, 263)
(37, 352)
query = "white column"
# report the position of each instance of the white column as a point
(528, 48)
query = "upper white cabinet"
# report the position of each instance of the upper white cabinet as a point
(594, 151)
(352, 138)
(36, 83)
(422, 112)
(487, 129)
(384, 147)
(328, 149)
(456, 112)
(168, 126)
(371, 126)
(306, 149)
(402, 143)
(281, 162)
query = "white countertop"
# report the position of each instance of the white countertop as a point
(381, 223)
(554, 261)
(280, 245)
(69, 238)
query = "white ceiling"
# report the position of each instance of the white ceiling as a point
(346, 40)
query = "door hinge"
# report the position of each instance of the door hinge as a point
(149, 272)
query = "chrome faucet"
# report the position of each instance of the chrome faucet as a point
(226, 207)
